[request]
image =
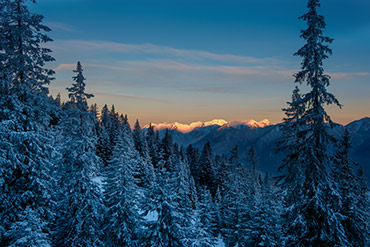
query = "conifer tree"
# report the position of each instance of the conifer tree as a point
(363, 205)
(145, 173)
(292, 166)
(184, 196)
(192, 156)
(28, 230)
(79, 207)
(234, 158)
(206, 217)
(122, 196)
(317, 223)
(94, 109)
(353, 206)
(103, 147)
(170, 206)
(115, 125)
(205, 172)
(152, 144)
(77, 94)
(138, 138)
(255, 178)
(166, 146)
(263, 228)
(237, 203)
(25, 110)
(163, 229)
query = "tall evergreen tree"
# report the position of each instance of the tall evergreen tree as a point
(292, 166)
(318, 223)
(192, 155)
(353, 206)
(122, 196)
(138, 138)
(363, 205)
(263, 228)
(80, 207)
(145, 174)
(163, 228)
(166, 146)
(237, 202)
(77, 95)
(24, 117)
(152, 143)
(103, 148)
(255, 178)
(207, 218)
(205, 171)
(115, 125)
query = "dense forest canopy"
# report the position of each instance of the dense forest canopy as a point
(71, 175)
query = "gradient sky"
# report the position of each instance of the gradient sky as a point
(190, 60)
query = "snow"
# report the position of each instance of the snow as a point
(220, 242)
(99, 180)
(251, 123)
(186, 128)
(151, 216)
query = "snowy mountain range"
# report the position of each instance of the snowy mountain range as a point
(263, 135)
(187, 128)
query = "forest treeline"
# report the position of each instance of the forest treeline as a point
(74, 175)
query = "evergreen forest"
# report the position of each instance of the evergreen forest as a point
(75, 175)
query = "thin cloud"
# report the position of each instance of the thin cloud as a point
(131, 97)
(175, 66)
(346, 76)
(152, 66)
(65, 67)
(104, 46)
(61, 26)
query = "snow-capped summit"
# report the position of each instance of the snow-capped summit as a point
(251, 123)
(218, 122)
(186, 128)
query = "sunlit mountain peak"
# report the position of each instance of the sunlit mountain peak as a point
(219, 122)
(186, 128)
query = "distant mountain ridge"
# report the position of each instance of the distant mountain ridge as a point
(187, 128)
(263, 135)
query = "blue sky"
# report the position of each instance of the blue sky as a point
(175, 60)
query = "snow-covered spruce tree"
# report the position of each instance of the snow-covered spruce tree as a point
(184, 193)
(162, 219)
(169, 212)
(122, 195)
(79, 206)
(114, 116)
(254, 175)
(191, 192)
(292, 166)
(205, 172)
(28, 230)
(263, 228)
(145, 173)
(152, 144)
(166, 147)
(103, 148)
(107, 133)
(353, 206)
(139, 139)
(239, 198)
(363, 203)
(205, 219)
(319, 222)
(192, 155)
(24, 117)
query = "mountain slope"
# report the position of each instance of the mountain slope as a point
(263, 137)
